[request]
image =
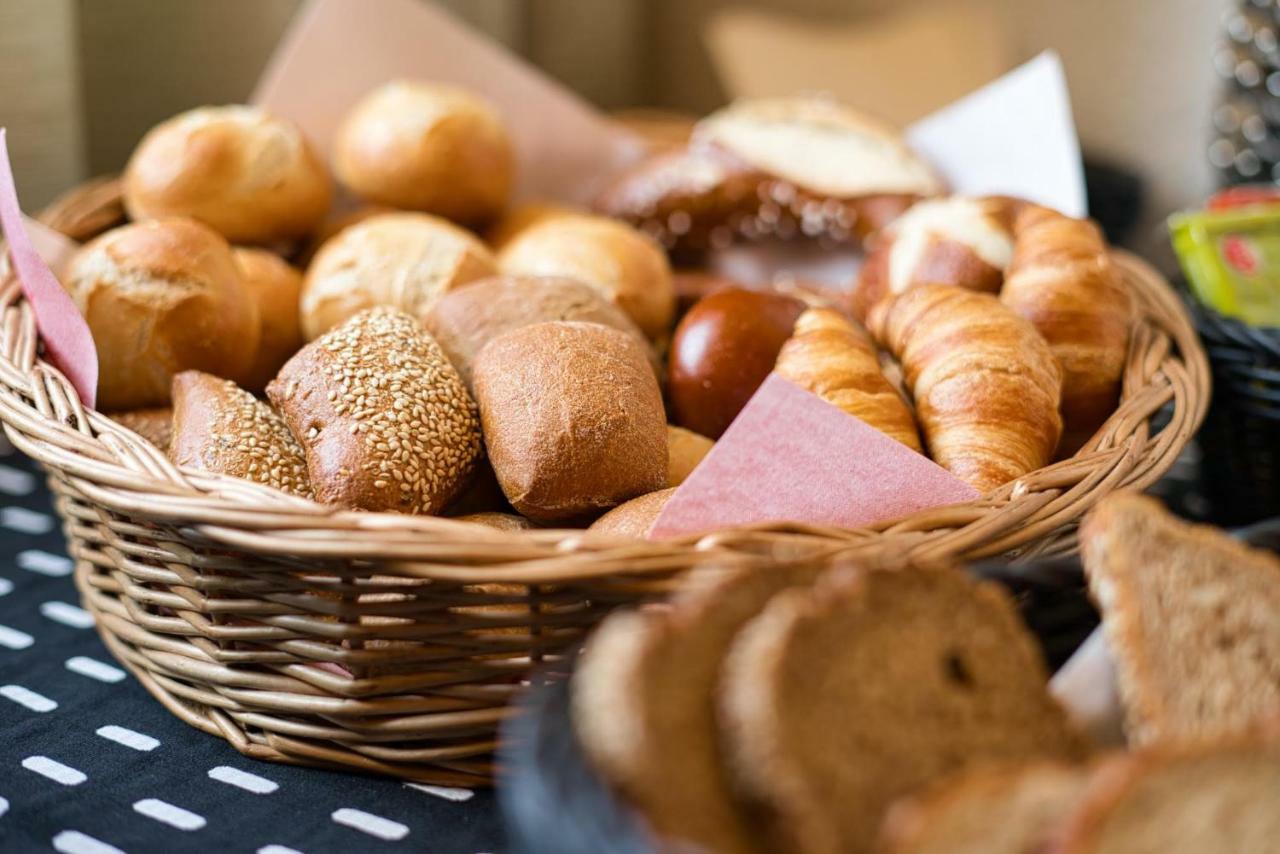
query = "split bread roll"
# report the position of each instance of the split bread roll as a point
(466, 319)
(937, 671)
(1062, 279)
(985, 383)
(247, 174)
(627, 267)
(573, 418)
(275, 287)
(426, 147)
(834, 359)
(162, 297)
(384, 419)
(1192, 619)
(403, 260)
(219, 427)
(1214, 798)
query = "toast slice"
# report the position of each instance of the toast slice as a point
(644, 710)
(1205, 799)
(1192, 618)
(995, 809)
(840, 699)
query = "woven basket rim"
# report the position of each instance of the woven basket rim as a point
(43, 416)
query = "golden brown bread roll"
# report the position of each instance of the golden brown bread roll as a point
(956, 240)
(834, 359)
(249, 175)
(275, 287)
(426, 147)
(572, 417)
(499, 522)
(464, 320)
(519, 217)
(985, 383)
(404, 260)
(219, 427)
(154, 424)
(623, 264)
(162, 297)
(1062, 280)
(634, 518)
(685, 449)
(383, 417)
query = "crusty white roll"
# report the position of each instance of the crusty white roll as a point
(249, 175)
(628, 267)
(275, 287)
(162, 297)
(404, 260)
(426, 147)
(956, 240)
(519, 217)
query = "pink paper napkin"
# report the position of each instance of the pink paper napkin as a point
(67, 340)
(792, 457)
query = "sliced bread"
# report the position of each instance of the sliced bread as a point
(1192, 618)
(994, 809)
(840, 699)
(643, 704)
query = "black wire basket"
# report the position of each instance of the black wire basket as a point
(1240, 440)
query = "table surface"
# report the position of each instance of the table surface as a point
(91, 764)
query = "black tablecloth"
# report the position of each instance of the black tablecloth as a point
(91, 764)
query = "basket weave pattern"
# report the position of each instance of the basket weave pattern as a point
(393, 643)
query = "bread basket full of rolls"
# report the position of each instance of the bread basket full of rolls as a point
(376, 433)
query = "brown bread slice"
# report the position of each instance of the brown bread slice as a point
(841, 699)
(996, 809)
(1208, 799)
(1192, 618)
(644, 705)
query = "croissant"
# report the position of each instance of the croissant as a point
(831, 357)
(986, 384)
(1062, 279)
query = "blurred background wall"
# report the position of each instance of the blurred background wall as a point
(81, 80)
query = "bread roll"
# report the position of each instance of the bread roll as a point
(572, 418)
(404, 260)
(426, 147)
(685, 449)
(275, 287)
(629, 268)
(162, 297)
(499, 522)
(154, 424)
(525, 215)
(634, 518)
(383, 417)
(464, 320)
(250, 175)
(219, 427)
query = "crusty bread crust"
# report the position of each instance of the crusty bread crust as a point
(275, 286)
(634, 518)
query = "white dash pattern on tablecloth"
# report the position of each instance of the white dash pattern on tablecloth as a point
(75, 842)
(54, 770)
(67, 614)
(14, 639)
(26, 521)
(4, 806)
(6, 586)
(165, 812)
(45, 563)
(95, 669)
(16, 481)
(374, 825)
(277, 849)
(449, 793)
(243, 780)
(26, 697)
(128, 737)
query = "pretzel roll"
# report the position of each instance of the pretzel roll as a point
(957, 240)
(831, 357)
(249, 175)
(1063, 281)
(404, 260)
(985, 383)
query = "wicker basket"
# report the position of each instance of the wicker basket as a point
(392, 643)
